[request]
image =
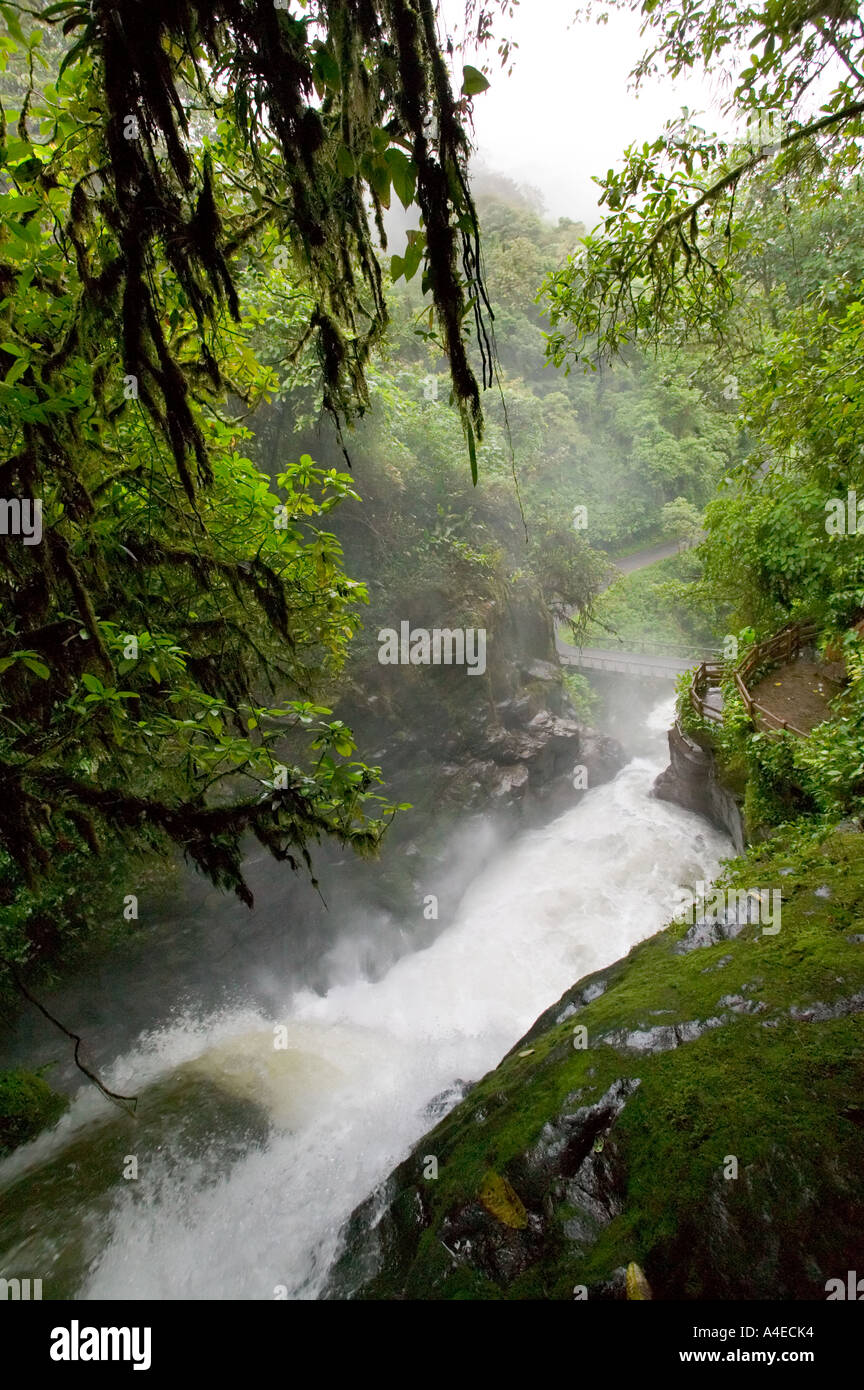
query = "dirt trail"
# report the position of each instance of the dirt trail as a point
(799, 693)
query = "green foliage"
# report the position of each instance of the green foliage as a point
(173, 173)
(663, 264)
(581, 694)
(681, 519)
(749, 254)
(689, 718)
(664, 602)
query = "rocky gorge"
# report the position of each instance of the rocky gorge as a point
(691, 1114)
(506, 741)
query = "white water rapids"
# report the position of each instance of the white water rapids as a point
(346, 1097)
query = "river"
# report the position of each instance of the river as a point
(260, 1127)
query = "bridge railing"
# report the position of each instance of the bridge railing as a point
(707, 673)
(629, 663)
(645, 646)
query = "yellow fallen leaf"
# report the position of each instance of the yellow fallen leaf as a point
(637, 1285)
(502, 1201)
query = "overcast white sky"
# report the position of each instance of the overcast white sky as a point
(566, 112)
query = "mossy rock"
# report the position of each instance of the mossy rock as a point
(27, 1106)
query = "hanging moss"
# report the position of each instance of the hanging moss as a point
(382, 74)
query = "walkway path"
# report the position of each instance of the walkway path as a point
(798, 693)
(663, 660)
(640, 559)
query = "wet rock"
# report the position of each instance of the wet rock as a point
(615, 1287)
(568, 1005)
(723, 926)
(509, 764)
(691, 781)
(601, 756)
(494, 1248)
(566, 1142)
(718, 965)
(819, 1013)
(739, 1005)
(577, 1148)
(518, 713)
(661, 1038)
(511, 781)
(443, 1103)
(542, 671)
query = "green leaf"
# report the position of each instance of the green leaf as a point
(18, 368)
(327, 68)
(12, 23)
(29, 232)
(345, 162)
(473, 82)
(414, 253)
(403, 172)
(37, 667)
(378, 176)
(28, 170)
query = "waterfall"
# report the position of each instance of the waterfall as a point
(313, 1104)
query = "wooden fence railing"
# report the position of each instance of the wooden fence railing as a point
(782, 648)
(707, 673)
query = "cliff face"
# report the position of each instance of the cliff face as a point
(694, 1109)
(691, 781)
(504, 738)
